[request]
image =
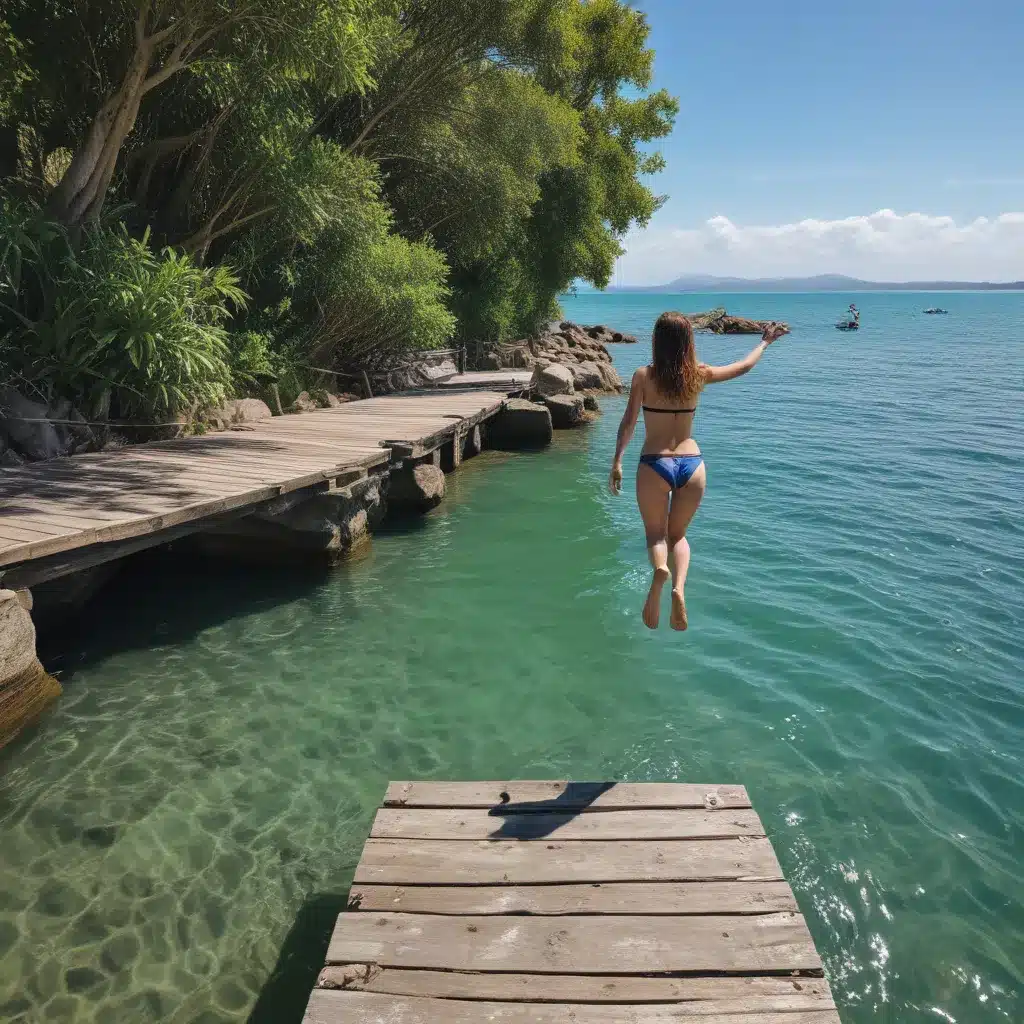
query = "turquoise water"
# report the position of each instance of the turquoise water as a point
(177, 836)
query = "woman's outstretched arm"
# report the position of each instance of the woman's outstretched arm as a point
(626, 428)
(717, 374)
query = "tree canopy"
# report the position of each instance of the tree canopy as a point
(375, 175)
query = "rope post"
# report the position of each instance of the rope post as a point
(462, 359)
(366, 384)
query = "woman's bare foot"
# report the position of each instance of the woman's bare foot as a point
(652, 606)
(678, 619)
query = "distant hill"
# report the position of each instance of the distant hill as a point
(818, 283)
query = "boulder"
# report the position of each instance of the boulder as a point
(329, 400)
(587, 376)
(25, 688)
(522, 358)
(610, 376)
(416, 488)
(590, 404)
(520, 424)
(245, 410)
(27, 428)
(326, 527)
(566, 411)
(492, 361)
(554, 379)
(608, 336)
(304, 403)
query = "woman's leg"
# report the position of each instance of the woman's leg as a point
(652, 497)
(685, 502)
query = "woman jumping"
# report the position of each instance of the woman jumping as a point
(670, 479)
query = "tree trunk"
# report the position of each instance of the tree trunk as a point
(82, 190)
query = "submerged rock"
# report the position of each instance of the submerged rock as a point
(520, 424)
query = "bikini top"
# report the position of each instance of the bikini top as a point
(675, 412)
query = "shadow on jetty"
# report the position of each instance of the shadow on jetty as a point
(284, 995)
(537, 819)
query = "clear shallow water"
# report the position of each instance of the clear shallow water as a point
(177, 836)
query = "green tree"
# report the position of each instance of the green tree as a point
(129, 49)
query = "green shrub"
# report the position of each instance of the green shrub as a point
(109, 323)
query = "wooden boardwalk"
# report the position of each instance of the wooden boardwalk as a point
(553, 902)
(145, 494)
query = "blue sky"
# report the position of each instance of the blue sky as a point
(828, 112)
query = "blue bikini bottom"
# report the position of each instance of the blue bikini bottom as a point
(675, 470)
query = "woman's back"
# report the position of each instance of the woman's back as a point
(668, 419)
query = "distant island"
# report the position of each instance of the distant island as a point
(818, 283)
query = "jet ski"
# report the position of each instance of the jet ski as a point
(852, 320)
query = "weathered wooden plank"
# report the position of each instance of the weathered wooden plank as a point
(477, 823)
(436, 862)
(23, 532)
(563, 796)
(326, 1007)
(576, 945)
(142, 524)
(724, 994)
(608, 899)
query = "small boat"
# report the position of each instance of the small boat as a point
(935, 309)
(851, 322)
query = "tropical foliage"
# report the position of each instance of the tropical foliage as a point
(200, 194)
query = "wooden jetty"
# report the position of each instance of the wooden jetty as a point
(554, 902)
(61, 516)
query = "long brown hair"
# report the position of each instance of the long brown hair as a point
(674, 364)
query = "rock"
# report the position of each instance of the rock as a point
(416, 488)
(25, 688)
(304, 403)
(27, 428)
(590, 404)
(10, 459)
(554, 379)
(610, 376)
(327, 526)
(607, 336)
(587, 376)
(245, 410)
(523, 359)
(566, 411)
(718, 321)
(520, 424)
(492, 361)
(329, 400)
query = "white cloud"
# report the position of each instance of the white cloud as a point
(883, 246)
